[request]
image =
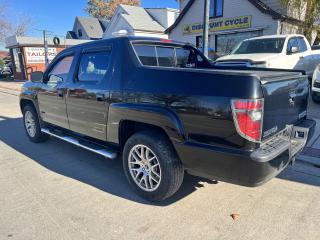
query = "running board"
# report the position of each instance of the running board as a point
(104, 152)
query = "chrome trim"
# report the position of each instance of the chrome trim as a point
(74, 141)
(285, 140)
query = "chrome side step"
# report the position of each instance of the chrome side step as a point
(101, 151)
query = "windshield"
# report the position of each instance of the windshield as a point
(267, 45)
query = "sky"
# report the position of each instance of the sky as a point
(58, 16)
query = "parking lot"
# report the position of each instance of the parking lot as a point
(57, 191)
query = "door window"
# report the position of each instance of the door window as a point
(93, 66)
(292, 43)
(60, 71)
(302, 44)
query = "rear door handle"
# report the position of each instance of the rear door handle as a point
(100, 97)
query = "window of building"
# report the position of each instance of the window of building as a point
(15, 53)
(216, 8)
(226, 43)
(93, 66)
(79, 33)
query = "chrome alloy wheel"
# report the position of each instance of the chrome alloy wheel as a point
(144, 168)
(30, 124)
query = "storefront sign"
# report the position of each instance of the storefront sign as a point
(36, 54)
(219, 25)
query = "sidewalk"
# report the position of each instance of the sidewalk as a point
(11, 87)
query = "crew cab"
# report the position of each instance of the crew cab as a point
(165, 109)
(274, 51)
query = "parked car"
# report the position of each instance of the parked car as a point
(315, 90)
(274, 51)
(6, 70)
(165, 109)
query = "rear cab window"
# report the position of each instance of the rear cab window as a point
(169, 56)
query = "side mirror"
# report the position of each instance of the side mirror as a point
(293, 50)
(36, 76)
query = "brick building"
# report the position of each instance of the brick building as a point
(27, 53)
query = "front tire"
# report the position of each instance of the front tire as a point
(32, 125)
(152, 166)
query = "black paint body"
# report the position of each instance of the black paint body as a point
(192, 106)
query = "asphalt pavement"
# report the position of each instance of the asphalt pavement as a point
(55, 190)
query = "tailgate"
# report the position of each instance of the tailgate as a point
(285, 102)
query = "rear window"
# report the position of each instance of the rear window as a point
(147, 55)
(168, 56)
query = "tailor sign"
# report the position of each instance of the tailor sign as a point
(36, 54)
(219, 25)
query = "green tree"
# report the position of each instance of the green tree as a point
(311, 16)
(104, 9)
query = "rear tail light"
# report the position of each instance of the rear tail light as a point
(248, 118)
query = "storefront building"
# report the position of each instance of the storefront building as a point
(231, 21)
(27, 54)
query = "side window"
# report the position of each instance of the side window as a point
(93, 66)
(302, 44)
(188, 58)
(147, 55)
(60, 71)
(292, 43)
(166, 56)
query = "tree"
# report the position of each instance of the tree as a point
(311, 16)
(8, 27)
(104, 9)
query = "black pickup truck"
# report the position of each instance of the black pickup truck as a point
(166, 109)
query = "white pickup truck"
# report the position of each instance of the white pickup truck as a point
(274, 51)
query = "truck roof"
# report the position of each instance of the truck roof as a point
(130, 38)
(276, 36)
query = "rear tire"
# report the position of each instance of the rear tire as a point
(152, 166)
(32, 125)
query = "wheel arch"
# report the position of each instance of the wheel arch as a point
(125, 119)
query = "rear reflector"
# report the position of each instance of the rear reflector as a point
(248, 118)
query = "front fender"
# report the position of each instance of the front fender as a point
(158, 116)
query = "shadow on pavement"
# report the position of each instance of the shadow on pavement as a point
(71, 161)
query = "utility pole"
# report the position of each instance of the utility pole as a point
(45, 40)
(205, 35)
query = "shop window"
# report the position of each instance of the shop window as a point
(15, 53)
(93, 66)
(216, 8)
(227, 42)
